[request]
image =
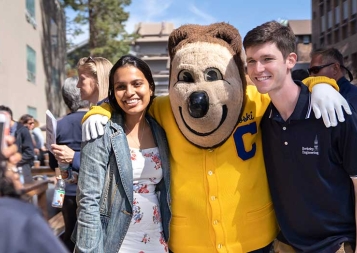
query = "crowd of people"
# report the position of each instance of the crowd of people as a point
(117, 195)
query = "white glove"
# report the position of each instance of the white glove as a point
(325, 101)
(93, 127)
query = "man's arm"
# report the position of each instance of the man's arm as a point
(326, 101)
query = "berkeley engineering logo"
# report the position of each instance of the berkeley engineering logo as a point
(311, 150)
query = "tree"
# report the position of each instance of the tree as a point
(107, 35)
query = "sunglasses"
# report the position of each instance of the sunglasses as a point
(316, 69)
(90, 59)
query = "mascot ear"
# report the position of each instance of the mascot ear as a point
(227, 33)
(180, 34)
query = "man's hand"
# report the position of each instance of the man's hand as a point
(327, 102)
(63, 153)
(93, 127)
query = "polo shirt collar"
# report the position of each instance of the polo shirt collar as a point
(302, 109)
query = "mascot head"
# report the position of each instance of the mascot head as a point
(207, 82)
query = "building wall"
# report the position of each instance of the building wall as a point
(303, 52)
(157, 64)
(335, 25)
(16, 32)
(151, 48)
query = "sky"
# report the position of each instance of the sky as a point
(242, 14)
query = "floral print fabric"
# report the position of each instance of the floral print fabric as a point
(145, 231)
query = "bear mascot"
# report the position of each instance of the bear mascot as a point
(220, 199)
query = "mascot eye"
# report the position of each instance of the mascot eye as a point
(185, 76)
(213, 74)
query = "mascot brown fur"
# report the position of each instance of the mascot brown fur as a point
(206, 81)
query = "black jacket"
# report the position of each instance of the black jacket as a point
(24, 144)
(23, 229)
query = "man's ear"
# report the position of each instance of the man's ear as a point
(291, 60)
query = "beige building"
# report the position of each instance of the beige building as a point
(334, 24)
(32, 57)
(302, 31)
(151, 47)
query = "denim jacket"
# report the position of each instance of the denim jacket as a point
(105, 188)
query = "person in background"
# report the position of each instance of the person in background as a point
(39, 145)
(22, 227)
(329, 62)
(93, 74)
(311, 169)
(24, 143)
(119, 209)
(66, 152)
(299, 74)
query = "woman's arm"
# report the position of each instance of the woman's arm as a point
(94, 160)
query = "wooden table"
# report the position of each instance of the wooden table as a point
(37, 187)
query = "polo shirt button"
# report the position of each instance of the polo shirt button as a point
(215, 222)
(213, 198)
(286, 143)
(284, 128)
(219, 246)
(210, 173)
(210, 150)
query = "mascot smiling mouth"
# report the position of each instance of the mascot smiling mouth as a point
(224, 116)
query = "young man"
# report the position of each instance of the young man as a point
(329, 62)
(309, 166)
(24, 144)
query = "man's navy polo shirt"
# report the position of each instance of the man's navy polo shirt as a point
(308, 168)
(348, 91)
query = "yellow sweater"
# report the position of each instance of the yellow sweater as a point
(220, 197)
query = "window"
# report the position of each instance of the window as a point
(322, 42)
(345, 10)
(354, 7)
(328, 5)
(337, 14)
(329, 19)
(323, 27)
(30, 7)
(329, 39)
(30, 12)
(353, 26)
(336, 36)
(32, 111)
(321, 9)
(344, 32)
(31, 65)
(306, 39)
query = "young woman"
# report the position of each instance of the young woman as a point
(93, 74)
(123, 188)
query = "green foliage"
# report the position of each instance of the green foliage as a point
(106, 18)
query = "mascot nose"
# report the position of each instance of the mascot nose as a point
(198, 104)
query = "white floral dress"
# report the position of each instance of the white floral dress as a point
(145, 233)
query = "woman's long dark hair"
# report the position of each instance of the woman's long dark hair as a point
(129, 60)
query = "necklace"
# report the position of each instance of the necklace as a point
(140, 139)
